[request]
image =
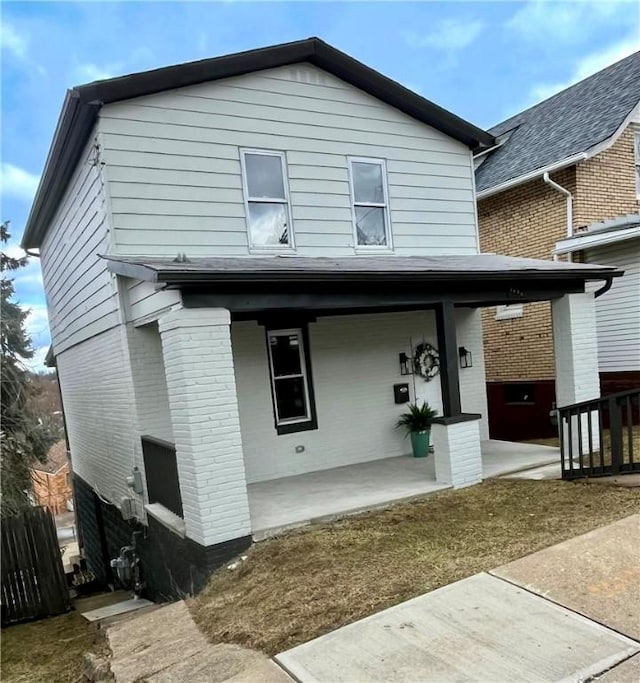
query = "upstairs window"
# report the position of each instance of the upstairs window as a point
(291, 380)
(266, 194)
(637, 149)
(370, 203)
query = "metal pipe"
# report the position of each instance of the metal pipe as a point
(604, 289)
(569, 196)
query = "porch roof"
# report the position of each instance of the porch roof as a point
(183, 271)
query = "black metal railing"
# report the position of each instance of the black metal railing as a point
(600, 437)
(161, 471)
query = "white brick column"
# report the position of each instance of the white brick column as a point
(575, 347)
(196, 345)
(456, 448)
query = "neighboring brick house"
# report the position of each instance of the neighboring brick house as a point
(559, 166)
(51, 480)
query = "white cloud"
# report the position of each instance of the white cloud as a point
(564, 22)
(587, 66)
(14, 250)
(13, 42)
(449, 35)
(86, 73)
(36, 364)
(16, 182)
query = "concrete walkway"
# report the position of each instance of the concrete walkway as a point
(165, 646)
(568, 613)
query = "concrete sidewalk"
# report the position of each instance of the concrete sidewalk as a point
(165, 646)
(568, 613)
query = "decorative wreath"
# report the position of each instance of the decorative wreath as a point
(426, 361)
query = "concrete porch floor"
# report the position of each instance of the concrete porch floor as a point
(290, 502)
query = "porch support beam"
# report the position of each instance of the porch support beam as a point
(198, 360)
(448, 350)
(575, 345)
(330, 299)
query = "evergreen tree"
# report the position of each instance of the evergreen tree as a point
(24, 437)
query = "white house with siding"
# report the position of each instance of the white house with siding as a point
(236, 252)
(615, 243)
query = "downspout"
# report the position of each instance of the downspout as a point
(569, 197)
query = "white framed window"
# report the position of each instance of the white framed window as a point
(509, 311)
(369, 203)
(291, 383)
(266, 199)
(636, 138)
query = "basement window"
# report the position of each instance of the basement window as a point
(291, 382)
(509, 311)
(519, 393)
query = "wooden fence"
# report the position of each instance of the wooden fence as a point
(33, 581)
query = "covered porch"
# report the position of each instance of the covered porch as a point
(338, 329)
(290, 502)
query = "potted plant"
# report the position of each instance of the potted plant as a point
(417, 422)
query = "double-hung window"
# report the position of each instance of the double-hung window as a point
(266, 196)
(291, 383)
(370, 203)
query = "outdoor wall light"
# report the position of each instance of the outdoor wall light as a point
(405, 364)
(466, 359)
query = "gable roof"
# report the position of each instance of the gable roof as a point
(82, 104)
(562, 127)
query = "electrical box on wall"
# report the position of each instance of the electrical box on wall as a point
(401, 393)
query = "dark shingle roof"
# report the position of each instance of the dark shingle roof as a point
(566, 124)
(303, 268)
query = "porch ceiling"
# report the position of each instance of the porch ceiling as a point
(246, 284)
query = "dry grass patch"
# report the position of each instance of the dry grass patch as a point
(47, 651)
(304, 584)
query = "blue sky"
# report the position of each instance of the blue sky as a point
(482, 60)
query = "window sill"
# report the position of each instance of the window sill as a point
(368, 251)
(167, 518)
(273, 251)
(294, 427)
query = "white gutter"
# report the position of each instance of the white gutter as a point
(589, 240)
(532, 175)
(569, 196)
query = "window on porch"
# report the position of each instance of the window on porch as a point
(290, 380)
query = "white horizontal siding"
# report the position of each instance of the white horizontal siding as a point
(81, 294)
(618, 311)
(174, 166)
(355, 364)
(145, 302)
